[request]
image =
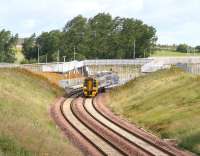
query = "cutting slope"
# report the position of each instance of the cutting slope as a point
(166, 102)
(26, 127)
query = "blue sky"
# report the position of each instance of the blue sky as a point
(176, 21)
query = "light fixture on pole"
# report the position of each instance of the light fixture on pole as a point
(64, 58)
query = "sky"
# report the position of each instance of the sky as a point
(176, 21)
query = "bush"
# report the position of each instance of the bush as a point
(25, 61)
(197, 48)
(182, 48)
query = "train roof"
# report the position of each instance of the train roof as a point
(89, 78)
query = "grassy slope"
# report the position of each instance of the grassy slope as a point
(162, 53)
(26, 127)
(19, 55)
(166, 102)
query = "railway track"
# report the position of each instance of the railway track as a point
(140, 133)
(96, 134)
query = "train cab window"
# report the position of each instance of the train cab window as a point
(85, 83)
(95, 83)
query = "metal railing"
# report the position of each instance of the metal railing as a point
(141, 61)
(8, 65)
(191, 68)
(64, 66)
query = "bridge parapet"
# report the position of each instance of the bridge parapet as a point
(165, 62)
(141, 61)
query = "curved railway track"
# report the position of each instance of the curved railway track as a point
(96, 133)
(101, 109)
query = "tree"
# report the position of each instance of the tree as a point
(7, 46)
(131, 31)
(182, 48)
(75, 36)
(49, 44)
(29, 48)
(98, 37)
(102, 26)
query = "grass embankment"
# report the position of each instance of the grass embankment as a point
(167, 53)
(26, 127)
(56, 77)
(166, 102)
(19, 55)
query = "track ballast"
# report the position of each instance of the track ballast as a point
(97, 133)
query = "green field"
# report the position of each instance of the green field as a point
(166, 103)
(19, 55)
(26, 128)
(163, 53)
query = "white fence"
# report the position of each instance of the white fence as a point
(191, 68)
(8, 65)
(141, 61)
(32, 67)
(149, 64)
(77, 82)
(166, 62)
(62, 67)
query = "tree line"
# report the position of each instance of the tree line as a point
(7, 46)
(184, 48)
(99, 37)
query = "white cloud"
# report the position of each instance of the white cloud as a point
(185, 33)
(176, 21)
(29, 24)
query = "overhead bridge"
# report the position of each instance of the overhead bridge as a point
(69, 66)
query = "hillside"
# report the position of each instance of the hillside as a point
(26, 127)
(166, 103)
(168, 53)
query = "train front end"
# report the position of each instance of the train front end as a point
(90, 87)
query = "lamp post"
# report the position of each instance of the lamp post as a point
(134, 50)
(38, 48)
(46, 58)
(74, 53)
(145, 50)
(58, 56)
